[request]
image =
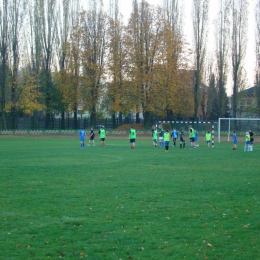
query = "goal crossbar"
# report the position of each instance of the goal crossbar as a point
(230, 119)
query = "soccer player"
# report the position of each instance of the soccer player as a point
(92, 136)
(234, 136)
(166, 138)
(132, 136)
(182, 141)
(192, 137)
(154, 134)
(174, 136)
(102, 136)
(82, 134)
(247, 141)
(208, 138)
(161, 135)
(251, 140)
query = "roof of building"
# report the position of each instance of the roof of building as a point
(250, 92)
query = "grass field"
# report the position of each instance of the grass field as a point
(58, 201)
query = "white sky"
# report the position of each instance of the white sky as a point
(125, 7)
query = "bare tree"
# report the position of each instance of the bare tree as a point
(34, 36)
(257, 80)
(48, 33)
(68, 13)
(222, 53)
(200, 21)
(173, 15)
(4, 23)
(239, 40)
(16, 16)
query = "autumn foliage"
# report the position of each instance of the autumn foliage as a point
(90, 60)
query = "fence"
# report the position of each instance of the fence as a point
(200, 126)
(38, 123)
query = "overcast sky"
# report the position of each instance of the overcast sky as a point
(126, 8)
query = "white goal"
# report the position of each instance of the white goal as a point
(241, 125)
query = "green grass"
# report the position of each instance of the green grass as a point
(58, 201)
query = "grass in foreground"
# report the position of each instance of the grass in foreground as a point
(58, 201)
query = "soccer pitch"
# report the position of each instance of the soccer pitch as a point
(60, 201)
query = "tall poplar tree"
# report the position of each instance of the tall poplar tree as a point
(4, 24)
(257, 79)
(48, 23)
(16, 14)
(143, 32)
(239, 40)
(94, 46)
(222, 53)
(68, 15)
(200, 23)
(116, 60)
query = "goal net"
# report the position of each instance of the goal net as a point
(241, 125)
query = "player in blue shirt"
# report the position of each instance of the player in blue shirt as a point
(174, 135)
(234, 136)
(82, 134)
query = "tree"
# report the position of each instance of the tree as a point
(213, 99)
(143, 40)
(29, 98)
(257, 79)
(239, 30)
(68, 13)
(48, 24)
(93, 45)
(116, 62)
(16, 14)
(33, 37)
(200, 21)
(173, 15)
(177, 70)
(69, 77)
(4, 23)
(222, 53)
(174, 77)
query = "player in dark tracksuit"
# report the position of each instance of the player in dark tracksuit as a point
(251, 140)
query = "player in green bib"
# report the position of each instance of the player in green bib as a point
(208, 138)
(192, 137)
(247, 141)
(102, 136)
(132, 136)
(166, 138)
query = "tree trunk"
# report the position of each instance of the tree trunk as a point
(75, 119)
(93, 117)
(48, 121)
(147, 119)
(62, 120)
(169, 115)
(13, 101)
(114, 121)
(137, 116)
(120, 118)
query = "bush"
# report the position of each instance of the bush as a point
(166, 126)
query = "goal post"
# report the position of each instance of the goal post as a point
(242, 126)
